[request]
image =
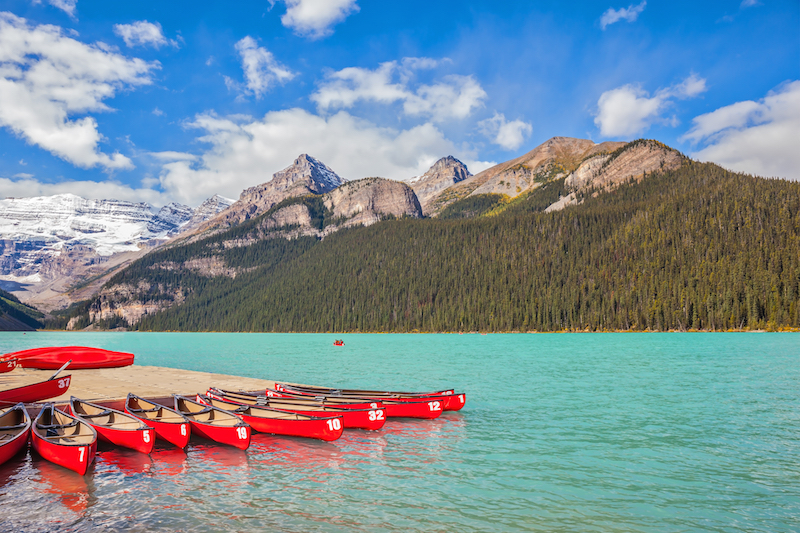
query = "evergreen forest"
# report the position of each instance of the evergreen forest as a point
(696, 248)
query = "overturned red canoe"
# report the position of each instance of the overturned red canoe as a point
(54, 357)
(116, 427)
(35, 392)
(63, 439)
(7, 365)
(168, 424)
(15, 427)
(370, 418)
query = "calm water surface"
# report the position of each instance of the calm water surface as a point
(562, 432)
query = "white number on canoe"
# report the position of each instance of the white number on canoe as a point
(83, 452)
(334, 424)
(242, 432)
(461, 397)
(376, 415)
(183, 429)
(373, 405)
(63, 383)
(146, 436)
(435, 406)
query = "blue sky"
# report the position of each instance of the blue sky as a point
(177, 101)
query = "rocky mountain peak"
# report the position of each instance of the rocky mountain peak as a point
(305, 170)
(444, 173)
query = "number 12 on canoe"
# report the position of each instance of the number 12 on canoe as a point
(435, 406)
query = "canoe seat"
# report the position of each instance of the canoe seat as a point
(135, 410)
(104, 413)
(18, 426)
(58, 426)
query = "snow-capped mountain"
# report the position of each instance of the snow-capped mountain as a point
(33, 231)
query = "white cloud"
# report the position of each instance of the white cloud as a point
(630, 110)
(67, 6)
(261, 69)
(46, 78)
(315, 18)
(26, 186)
(455, 97)
(749, 3)
(245, 152)
(509, 135)
(630, 14)
(760, 138)
(143, 33)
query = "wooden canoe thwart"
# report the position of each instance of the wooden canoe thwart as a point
(36, 392)
(115, 427)
(15, 428)
(168, 424)
(63, 439)
(214, 423)
(280, 422)
(369, 417)
(51, 358)
(449, 400)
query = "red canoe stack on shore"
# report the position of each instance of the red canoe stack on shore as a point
(54, 357)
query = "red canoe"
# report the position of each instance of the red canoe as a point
(214, 423)
(15, 427)
(449, 400)
(279, 422)
(366, 418)
(35, 392)
(63, 439)
(115, 427)
(51, 358)
(168, 424)
(394, 407)
(7, 365)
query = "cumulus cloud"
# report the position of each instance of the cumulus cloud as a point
(143, 33)
(244, 152)
(509, 135)
(47, 78)
(760, 137)
(261, 69)
(629, 14)
(630, 110)
(454, 97)
(315, 18)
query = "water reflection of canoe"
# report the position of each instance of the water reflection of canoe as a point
(168, 423)
(53, 357)
(449, 399)
(63, 439)
(15, 427)
(116, 427)
(279, 422)
(214, 423)
(35, 392)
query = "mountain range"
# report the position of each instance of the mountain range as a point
(285, 220)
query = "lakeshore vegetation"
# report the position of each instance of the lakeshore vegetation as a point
(698, 247)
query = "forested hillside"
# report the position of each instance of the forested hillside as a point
(16, 316)
(693, 248)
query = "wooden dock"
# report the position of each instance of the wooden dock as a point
(109, 385)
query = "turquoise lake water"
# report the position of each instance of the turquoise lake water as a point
(561, 432)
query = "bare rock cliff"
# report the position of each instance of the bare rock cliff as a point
(369, 200)
(445, 173)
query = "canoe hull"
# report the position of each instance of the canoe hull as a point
(75, 457)
(427, 408)
(174, 433)
(140, 439)
(53, 358)
(236, 436)
(7, 365)
(11, 447)
(35, 392)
